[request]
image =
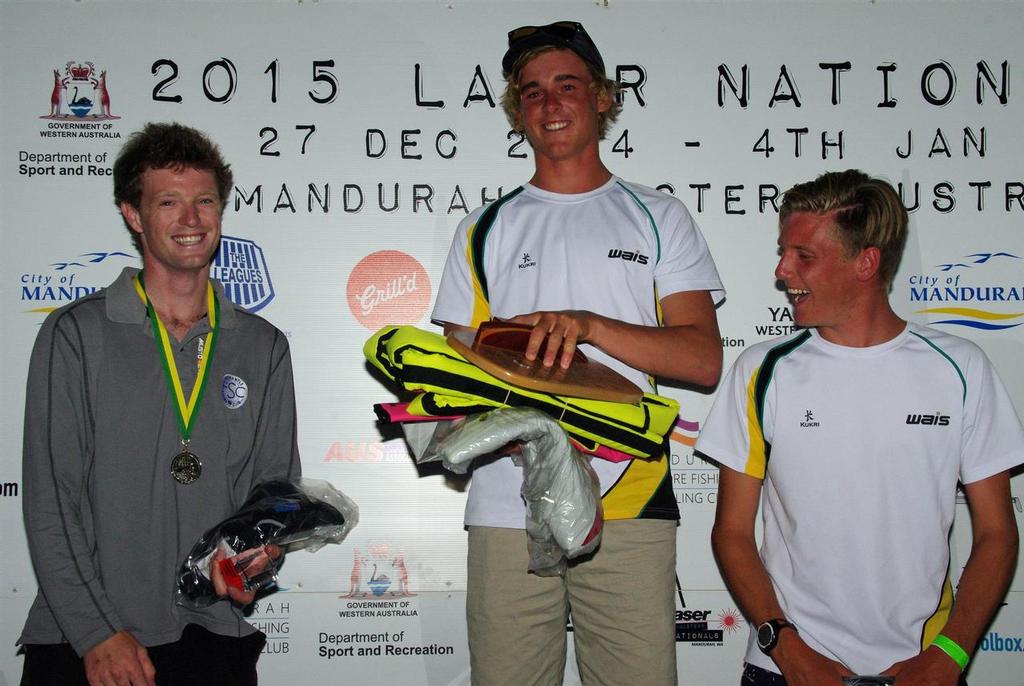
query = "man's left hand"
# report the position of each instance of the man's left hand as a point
(221, 587)
(563, 330)
(930, 668)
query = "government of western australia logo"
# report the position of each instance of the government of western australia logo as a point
(241, 268)
(80, 91)
(979, 291)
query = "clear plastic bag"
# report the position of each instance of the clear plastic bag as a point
(564, 518)
(278, 517)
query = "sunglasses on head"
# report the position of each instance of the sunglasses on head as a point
(563, 34)
(565, 30)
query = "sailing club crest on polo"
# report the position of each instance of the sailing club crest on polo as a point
(242, 269)
(233, 391)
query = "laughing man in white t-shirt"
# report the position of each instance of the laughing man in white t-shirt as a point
(622, 271)
(853, 434)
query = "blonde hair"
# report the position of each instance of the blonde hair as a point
(510, 99)
(867, 212)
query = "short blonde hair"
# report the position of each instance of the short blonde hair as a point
(867, 212)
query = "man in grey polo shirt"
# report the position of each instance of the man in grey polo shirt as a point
(153, 407)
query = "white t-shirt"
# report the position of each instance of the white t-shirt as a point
(616, 250)
(864, 448)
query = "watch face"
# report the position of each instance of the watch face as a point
(765, 636)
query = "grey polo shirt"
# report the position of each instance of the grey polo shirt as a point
(107, 525)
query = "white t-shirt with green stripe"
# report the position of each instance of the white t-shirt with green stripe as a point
(615, 250)
(863, 449)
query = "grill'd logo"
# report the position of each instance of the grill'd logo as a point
(388, 287)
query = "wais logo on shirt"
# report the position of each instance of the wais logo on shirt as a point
(618, 254)
(928, 419)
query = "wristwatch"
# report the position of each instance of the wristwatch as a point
(768, 634)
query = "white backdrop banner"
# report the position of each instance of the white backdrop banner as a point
(360, 134)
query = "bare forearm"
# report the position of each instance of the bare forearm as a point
(686, 347)
(683, 353)
(990, 567)
(982, 587)
(746, 577)
(735, 547)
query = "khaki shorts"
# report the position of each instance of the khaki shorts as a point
(621, 600)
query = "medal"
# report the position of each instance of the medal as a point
(186, 467)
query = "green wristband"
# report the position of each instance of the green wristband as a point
(953, 649)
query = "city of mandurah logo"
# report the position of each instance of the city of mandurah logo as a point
(240, 266)
(79, 91)
(388, 287)
(979, 291)
(70, 278)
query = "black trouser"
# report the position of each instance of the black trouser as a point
(755, 676)
(198, 657)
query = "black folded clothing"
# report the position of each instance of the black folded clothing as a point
(287, 514)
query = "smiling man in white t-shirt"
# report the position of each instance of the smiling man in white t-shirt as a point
(853, 434)
(622, 271)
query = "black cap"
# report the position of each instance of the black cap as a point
(562, 34)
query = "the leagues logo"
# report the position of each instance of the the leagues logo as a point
(242, 269)
(79, 91)
(979, 291)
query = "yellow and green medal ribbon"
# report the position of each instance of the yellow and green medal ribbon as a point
(185, 410)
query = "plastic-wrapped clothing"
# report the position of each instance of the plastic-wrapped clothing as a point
(293, 515)
(447, 384)
(398, 413)
(563, 506)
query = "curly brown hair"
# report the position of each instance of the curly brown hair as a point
(166, 146)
